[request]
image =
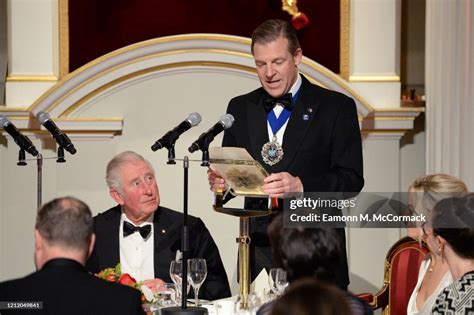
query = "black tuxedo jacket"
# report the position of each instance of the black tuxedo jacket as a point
(167, 225)
(65, 287)
(321, 144)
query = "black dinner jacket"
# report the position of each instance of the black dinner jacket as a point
(324, 151)
(167, 225)
(321, 144)
(65, 287)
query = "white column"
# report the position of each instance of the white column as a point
(32, 50)
(375, 51)
(450, 88)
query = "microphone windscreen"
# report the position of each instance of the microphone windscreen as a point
(43, 117)
(3, 121)
(194, 119)
(227, 121)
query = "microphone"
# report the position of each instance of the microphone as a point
(23, 142)
(206, 138)
(61, 138)
(171, 136)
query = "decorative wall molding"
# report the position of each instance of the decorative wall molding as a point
(374, 78)
(32, 78)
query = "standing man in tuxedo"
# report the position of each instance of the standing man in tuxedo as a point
(63, 241)
(145, 237)
(305, 136)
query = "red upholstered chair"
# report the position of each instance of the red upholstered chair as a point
(402, 264)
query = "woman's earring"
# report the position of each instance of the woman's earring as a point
(440, 251)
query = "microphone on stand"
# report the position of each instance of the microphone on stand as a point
(206, 138)
(171, 136)
(61, 138)
(23, 141)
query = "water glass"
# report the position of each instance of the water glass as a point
(167, 295)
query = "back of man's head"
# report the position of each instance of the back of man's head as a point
(65, 223)
(304, 252)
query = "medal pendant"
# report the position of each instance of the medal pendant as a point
(272, 152)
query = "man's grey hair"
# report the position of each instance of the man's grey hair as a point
(271, 30)
(113, 167)
(66, 222)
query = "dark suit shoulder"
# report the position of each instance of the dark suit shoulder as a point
(252, 97)
(337, 97)
(108, 214)
(331, 98)
(176, 216)
(61, 278)
(8, 289)
(60, 287)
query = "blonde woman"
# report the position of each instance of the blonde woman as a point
(434, 274)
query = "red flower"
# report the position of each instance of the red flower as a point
(126, 279)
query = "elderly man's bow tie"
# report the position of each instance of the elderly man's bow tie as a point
(285, 100)
(129, 228)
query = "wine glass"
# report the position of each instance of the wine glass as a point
(197, 273)
(281, 281)
(272, 275)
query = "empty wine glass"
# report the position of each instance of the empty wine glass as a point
(197, 273)
(272, 278)
(281, 282)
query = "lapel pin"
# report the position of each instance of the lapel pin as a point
(163, 231)
(310, 109)
(305, 117)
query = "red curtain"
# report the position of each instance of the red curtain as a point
(97, 27)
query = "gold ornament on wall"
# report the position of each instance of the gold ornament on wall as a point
(299, 20)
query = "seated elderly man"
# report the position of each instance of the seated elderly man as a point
(144, 236)
(63, 240)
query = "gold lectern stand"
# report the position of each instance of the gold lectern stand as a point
(244, 243)
(245, 176)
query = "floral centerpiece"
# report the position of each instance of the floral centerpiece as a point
(115, 275)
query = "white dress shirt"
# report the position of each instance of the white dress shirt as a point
(278, 109)
(136, 253)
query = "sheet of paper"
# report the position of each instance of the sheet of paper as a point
(241, 172)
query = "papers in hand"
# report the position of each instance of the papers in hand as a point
(241, 172)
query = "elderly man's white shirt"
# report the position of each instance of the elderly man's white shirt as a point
(136, 253)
